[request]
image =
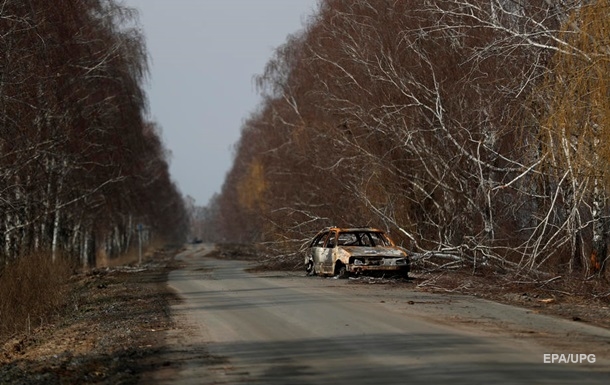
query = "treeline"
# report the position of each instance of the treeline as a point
(475, 131)
(81, 168)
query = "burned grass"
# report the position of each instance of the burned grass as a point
(567, 297)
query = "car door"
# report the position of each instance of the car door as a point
(326, 253)
(317, 250)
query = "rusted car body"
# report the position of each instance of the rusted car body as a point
(353, 251)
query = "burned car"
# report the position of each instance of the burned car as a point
(352, 251)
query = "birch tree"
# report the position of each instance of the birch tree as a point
(76, 151)
(574, 121)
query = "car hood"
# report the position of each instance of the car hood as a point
(381, 251)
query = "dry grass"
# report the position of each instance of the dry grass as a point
(111, 332)
(32, 290)
(131, 256)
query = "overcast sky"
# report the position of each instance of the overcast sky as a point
(204, 55)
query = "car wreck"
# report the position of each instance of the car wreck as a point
(352, 251)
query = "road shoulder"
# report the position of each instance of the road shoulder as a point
(111, 331)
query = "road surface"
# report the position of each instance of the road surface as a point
(285, 328)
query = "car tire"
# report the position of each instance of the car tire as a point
(309, 269)
(342, 272)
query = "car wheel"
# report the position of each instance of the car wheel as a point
(309, 269)
(342, 272)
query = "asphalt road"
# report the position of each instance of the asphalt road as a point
(277, 328)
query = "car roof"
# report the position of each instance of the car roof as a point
(351, 229)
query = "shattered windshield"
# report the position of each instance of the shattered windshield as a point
(362, 238)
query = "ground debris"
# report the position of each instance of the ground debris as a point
(554, 297)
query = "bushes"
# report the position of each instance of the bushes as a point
(32, 290)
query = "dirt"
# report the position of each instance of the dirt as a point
(117, 320)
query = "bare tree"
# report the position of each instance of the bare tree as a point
(413, 115)
(76, 150)
(573, 106)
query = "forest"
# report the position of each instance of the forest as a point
(474, 131)
(81, 165)
(84, 177)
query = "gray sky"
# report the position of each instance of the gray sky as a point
(204, 55)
